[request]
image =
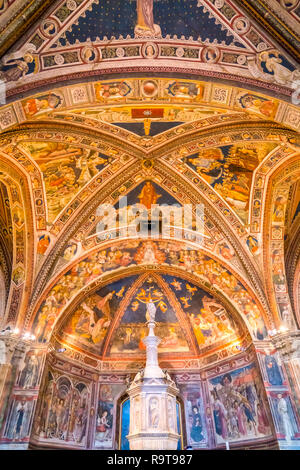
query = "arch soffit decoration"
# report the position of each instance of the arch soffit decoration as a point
(253, 305)
(6, 238)
(217, 97)
(14, 176)
(292, 268)
(281, 178)
(295, 293)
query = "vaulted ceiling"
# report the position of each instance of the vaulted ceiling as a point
(204, 112)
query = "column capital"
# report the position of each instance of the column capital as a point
(288, 344)
(13, 348)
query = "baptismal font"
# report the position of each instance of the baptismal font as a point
(153, 417)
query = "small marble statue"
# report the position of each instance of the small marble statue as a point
(2, 352)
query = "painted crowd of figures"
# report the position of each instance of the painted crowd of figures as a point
(90, 268)
(62, 414)
(88, 325)
(66, 169)
(238, 404)
(229, 171)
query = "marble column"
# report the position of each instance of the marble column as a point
(153, 418)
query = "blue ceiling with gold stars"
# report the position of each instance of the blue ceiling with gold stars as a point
(175, 17)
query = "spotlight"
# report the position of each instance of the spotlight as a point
(283, 328)
(61, 350)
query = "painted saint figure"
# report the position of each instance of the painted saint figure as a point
(18, 69)
(102, 424)
(29, 374)
(273, 64)
(96, 324)
(196, 431)
(145, 22)
(19, 423)
(220, 415)
(273, 371)
(284, 415)
(145, 14)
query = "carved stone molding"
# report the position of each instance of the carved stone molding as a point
(288, 345)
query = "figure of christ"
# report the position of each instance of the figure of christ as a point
(145, 22)
(149, 254)
(148, 195)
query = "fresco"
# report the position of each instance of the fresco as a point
(66, 169)
(163, 118)
(252, 244)
(62, 415)
(208, 318)
(134, 253)
(239, 407)
(195, 417)
(148, 193)
(43, 243)
(178, 17)
(273, 370)
(70, 251)
(105, 421)
(13, 70)
(129, 335)
(88, 325)
(264, 106)
(226, 34)
(18, 422)
(29, 375)
(42, 104)
(284, 416)
(229, 171)
(169, 217)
